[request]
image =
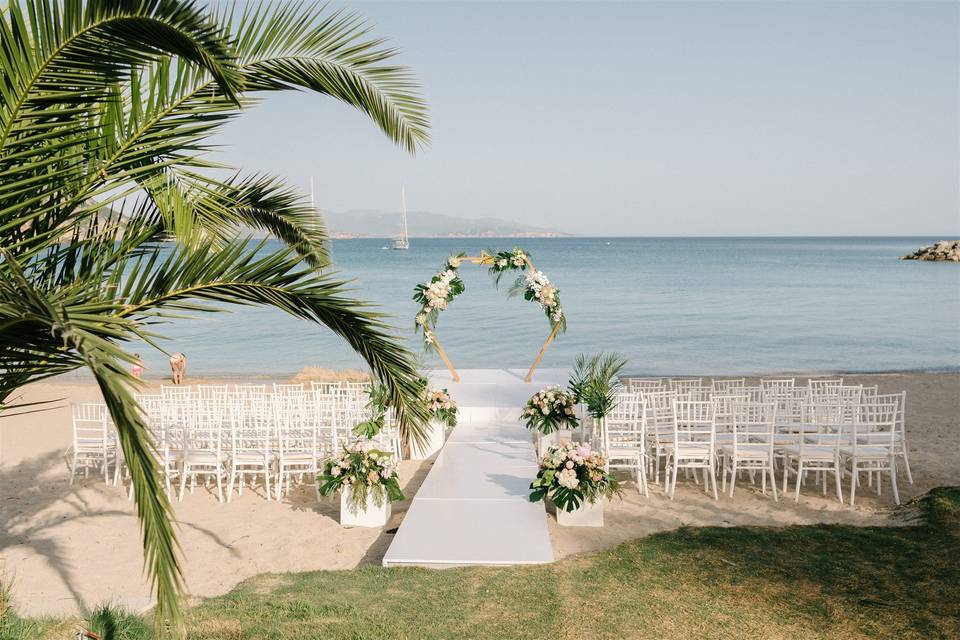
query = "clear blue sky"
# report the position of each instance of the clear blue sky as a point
(675, 118)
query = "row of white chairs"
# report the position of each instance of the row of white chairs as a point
(233, 436)
(848, 430)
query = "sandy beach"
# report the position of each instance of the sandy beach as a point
(66, 547)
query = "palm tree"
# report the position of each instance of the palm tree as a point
(106, 108)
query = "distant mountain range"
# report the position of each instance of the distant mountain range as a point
(368, 223)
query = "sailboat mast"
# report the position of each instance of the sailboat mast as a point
(403, 209)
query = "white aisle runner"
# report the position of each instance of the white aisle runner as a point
(472, 509)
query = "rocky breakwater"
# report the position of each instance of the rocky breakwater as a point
(943, 251)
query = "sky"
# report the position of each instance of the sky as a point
(649, 119)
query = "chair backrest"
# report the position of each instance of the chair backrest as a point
(754, 423)
(625, 424)
(728, 384)
(287, 388)
(876, 425)
(90, 420)
(723, 409)
(824, 389)
(684, 385)
(658, 407)
(180, 391)
(777, 385)
(324, 386)
(642, 384)
(693, 422)
(250, 390)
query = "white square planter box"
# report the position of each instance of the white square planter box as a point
(545, 441)
(435, 436)
(369, 516)
(588, 515)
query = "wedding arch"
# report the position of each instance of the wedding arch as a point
(434, 296)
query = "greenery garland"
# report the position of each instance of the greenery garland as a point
(437, 294)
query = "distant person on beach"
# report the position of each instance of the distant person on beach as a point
(137, 369)
(178, 367)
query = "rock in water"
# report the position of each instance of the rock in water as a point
(943, 251)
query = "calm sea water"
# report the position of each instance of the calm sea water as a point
(670, 305)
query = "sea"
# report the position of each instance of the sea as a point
(670, 306)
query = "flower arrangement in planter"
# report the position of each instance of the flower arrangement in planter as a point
(443, 414)
(367, 481)
(550, 410)
(442, 407)
(574, 478)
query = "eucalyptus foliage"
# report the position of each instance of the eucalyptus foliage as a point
(107, 109)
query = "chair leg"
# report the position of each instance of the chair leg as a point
(73, 468)
(796, 497)
(773, 481)
(183, 480)
(837, 471)
(906, 463)
(733, 477)
(893, 479)
(219, 483)
(233, 476)
(713, 480)
(673, 478)
(854, 478)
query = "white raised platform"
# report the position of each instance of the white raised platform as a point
(472, 509)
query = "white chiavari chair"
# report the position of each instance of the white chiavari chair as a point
(817, 451)
(297, 448)
(92, 444)
(872, 447)
(251, 446)
(751, 447)
(624, 442)
(694, 443)
(658, 406)
(203, 453)
(724, 413)
(901, 436)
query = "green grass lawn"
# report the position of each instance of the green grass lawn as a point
(826, 581)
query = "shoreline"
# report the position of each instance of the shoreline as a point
(335, 374)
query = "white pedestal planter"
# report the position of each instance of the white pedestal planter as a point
(434, 443)
(588, 515)
(546, 441)
(369, 515)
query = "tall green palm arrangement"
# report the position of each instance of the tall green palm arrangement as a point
(106, 111)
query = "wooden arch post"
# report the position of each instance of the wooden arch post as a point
(486, 259)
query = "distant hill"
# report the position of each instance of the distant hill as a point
(383, 224)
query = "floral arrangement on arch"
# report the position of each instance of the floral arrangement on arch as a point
(365, 472)
(534, 286)
(436, 295)
(549, 410)
(570, 474)
(442, 407)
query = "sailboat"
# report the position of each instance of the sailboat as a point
(402, 242)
